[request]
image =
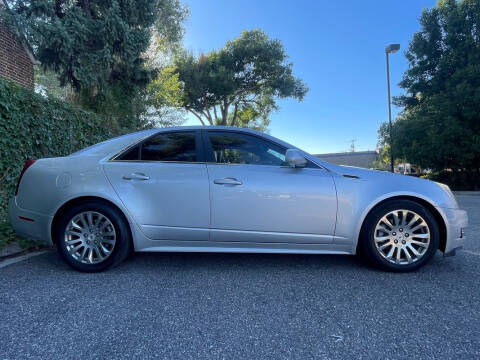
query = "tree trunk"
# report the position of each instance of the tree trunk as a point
(234, 115)
(224, 112)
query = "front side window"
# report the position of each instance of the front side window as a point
(231, 148)
(174, 146)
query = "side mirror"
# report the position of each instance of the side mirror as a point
(294, 158)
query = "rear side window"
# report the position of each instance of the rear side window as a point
(174, 146)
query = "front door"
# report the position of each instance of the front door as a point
(163, 183)
(255, 197)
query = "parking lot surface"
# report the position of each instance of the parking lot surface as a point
(225, 306)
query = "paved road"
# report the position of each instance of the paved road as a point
(194, 306)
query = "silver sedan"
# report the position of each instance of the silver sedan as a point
(224, 189)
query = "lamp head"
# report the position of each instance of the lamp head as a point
(392, 48)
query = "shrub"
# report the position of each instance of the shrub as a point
(32, 127)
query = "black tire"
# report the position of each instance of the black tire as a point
(368, 250)
(123, 244)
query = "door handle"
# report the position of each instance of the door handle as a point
(136, 176)
(227, 181)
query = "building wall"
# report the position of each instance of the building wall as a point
(15, 64)
(359, 159)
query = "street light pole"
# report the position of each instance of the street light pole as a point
(390, 49)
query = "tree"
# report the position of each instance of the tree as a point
(439, 127)
(97, 46)
(47, 84)
(238, 85)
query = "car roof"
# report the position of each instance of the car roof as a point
(115, 145)
(210, 127)
(227, 128)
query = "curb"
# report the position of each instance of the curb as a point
(11, 249)
(14, 250)
(12, 260)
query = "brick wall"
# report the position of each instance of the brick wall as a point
(15, 64)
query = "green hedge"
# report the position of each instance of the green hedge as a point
(457, 180)
(33, 127)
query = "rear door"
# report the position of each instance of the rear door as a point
(256, 198)
(163, 183)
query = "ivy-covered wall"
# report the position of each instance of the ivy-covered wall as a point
(32, 127)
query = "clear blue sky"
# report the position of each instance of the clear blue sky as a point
(337, 48)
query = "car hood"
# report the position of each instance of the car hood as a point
(397, 184)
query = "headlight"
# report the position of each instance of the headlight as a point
(449, 193)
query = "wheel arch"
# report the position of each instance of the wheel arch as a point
(80, 200)
(434, 211)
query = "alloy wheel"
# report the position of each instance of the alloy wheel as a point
(402, 237)
(90, 237)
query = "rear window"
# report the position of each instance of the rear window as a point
(174, 146)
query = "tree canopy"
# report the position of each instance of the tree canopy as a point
(238, 85)
(97, 47)
(439, 126)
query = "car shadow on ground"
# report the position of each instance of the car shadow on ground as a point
(225, 263)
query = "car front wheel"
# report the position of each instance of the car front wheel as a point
(399, 235)
(92, 236)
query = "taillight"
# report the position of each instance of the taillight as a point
(28, 163)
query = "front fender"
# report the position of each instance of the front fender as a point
(357, 197)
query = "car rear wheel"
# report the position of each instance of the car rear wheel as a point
(399, 235)
(92, 236)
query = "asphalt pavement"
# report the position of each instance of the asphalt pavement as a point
(244, 306)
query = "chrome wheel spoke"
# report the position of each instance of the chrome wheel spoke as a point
(386, 221)
(407, 255)
(412, 221)
(83, 221)
(90, 237)
(90, 218)
(395, 238)
(104, 225)
(75, 225)
(108, 241)
(73, 233)
(90, 256)
(74, 241)
(414, 251)
(104, 249)
(398, 258)
(422, 244)
(98, 253)
(421, 236)
(395, 219)
(74, 249)
(382, 228)
(381, 238)
(384, 246)
(418, 227)
(82, 255)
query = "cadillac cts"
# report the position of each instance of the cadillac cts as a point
(224, 189)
